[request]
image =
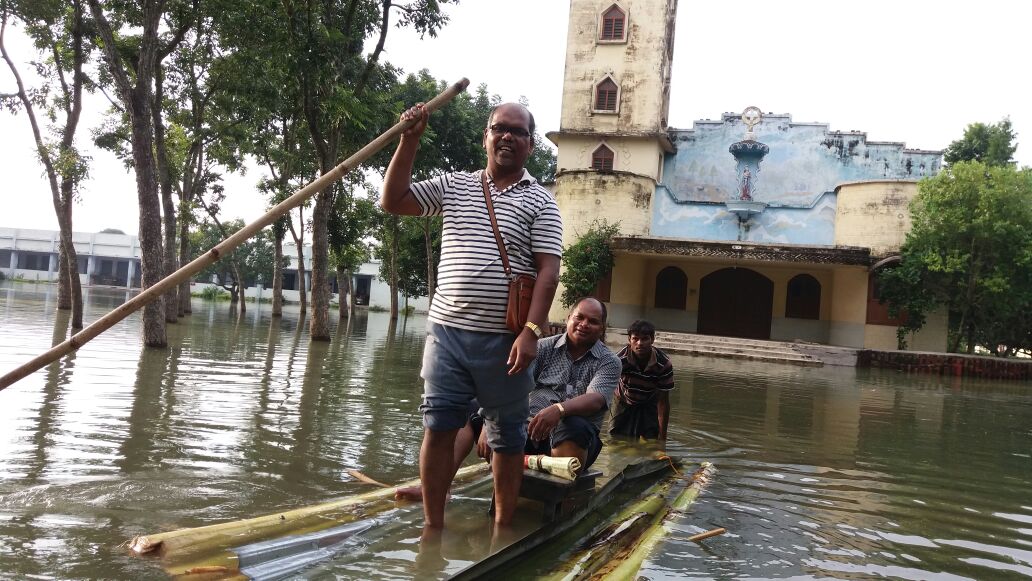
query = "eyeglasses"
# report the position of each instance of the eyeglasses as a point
(499, 130)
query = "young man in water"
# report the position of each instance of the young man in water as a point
(469, 353)
(643, 398)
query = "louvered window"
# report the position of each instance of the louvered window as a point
(602, 159)
(613, 23)
(605, 96)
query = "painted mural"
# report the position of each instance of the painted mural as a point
(796, 179)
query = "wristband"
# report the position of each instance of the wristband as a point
(534, 328)
(562, 410)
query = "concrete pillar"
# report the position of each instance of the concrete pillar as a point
(14, 262)
(848, 307)
(132, 273)
(91, 260)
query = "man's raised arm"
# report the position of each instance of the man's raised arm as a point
(397, 198)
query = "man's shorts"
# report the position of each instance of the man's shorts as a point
(459, 365)
(573, 428)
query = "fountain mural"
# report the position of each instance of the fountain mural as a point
(793, 200)
(748, 154)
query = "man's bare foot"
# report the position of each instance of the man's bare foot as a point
(412, 493)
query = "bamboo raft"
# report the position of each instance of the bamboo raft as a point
(283, 544)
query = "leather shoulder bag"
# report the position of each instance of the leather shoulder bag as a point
(521, 286)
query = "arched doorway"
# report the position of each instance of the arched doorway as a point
(671, 289)
(736, 302)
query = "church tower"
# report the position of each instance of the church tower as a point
(613, 131)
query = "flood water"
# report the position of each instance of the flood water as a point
(821, 472)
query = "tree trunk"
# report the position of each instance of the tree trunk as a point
(299, 243)
(136, 96)
(320, 326)
(184, 307)
(71, 257)
(238, 286)
(150, 217)
(64, 283)
(165, 187)
(343, 291)
(69, 292)
(351, 294)
(277, 278)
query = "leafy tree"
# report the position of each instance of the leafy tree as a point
(279, 231)
(132, 61)
(403, 252)
(587, 261)
(58, 29)
(991, 144)
(317, 51)
(347, 240)
(252, 260)
(111, 231)
(969, 251)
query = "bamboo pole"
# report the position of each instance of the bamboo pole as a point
(226, 246)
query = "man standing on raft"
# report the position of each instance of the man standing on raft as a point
(469, 352)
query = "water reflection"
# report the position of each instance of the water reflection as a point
(822, 472)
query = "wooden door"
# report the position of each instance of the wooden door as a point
(736, 302)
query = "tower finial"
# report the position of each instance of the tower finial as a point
(751, 117)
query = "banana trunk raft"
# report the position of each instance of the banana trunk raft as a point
(328, 535)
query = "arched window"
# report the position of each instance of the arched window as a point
(804, 298)
(671, 289)
(606, 93)
(602, 159)
(614, 24)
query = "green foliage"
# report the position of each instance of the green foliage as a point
(587, 261)
(989, 144)
(254, 257)
(350, 223)
(111, 231)
(214, 293)
(542, 163)
(969, 251)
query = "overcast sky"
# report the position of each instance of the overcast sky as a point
(914, 71)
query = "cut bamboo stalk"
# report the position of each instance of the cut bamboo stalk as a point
(626, 569)
(210, 540)
(620, 534)
(363, 478)
(226, 246)
(707, 534)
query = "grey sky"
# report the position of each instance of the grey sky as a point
(914, 71)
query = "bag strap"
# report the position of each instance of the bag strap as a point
(494, 225)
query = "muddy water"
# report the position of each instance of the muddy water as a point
(821, 472)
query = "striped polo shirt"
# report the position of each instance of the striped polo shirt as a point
(472, 290)
(640, 384)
